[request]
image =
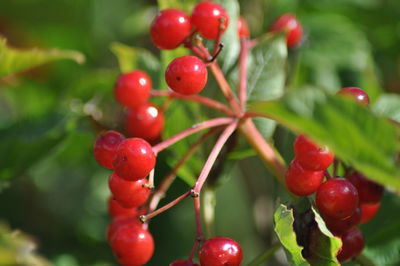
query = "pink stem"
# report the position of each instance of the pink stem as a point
(187, 132)
(244, 52)
(199, 234)
(213, 156)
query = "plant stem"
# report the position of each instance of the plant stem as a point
(263, 257)
(199, 234)
(213, 156)
(187, 132)
(194, 98)
(242, 89)
(268, 154)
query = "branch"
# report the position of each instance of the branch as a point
(242, 88)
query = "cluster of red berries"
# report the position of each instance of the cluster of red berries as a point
(343, 202)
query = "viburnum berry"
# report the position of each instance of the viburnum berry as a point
(132, 245)
(106, 146)
(302, 182)
(337, 198)
(120, 221)
(134, 159)
(133, 89)
(183, 263)
(116, 210)
(170, 28)
(353, 244)
(210, 19)
(145, 121)
(368, 211)
(129, 194)
(311, 156)
(369, 192)
(186, 75)
(289, 23)
(339, 226)
(220, 251)
(355, 93)
(243, 28)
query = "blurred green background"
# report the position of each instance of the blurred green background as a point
(50, 185)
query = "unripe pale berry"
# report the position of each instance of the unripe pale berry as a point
(355, 93)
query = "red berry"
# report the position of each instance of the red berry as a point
(186, 75)
(120, 221)
(106, 146)
(369, 192)
(355, 93)
(302, 182)
(339, 226)
(243, 28)
(129, 193)
(133, 89)
(207, 17)
(170, 28)
(134, 159)
(183, 263)
(220, 251)
(116, 210)
(145, 121)
(368, 211)
(311, 156)
(353, 244)
(337, 198)
(132, 245)
(289, 23)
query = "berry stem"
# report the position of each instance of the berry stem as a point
(145, 218)
(335, 167)
(213, 156)
(199, 234)
(244, 52)
(195, 98)
(327, 175)
(187, 132)
(263, 257)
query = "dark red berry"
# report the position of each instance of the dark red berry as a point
(134, 159)
(145, 121)
(132, 245)
(116, 210)
(120, 221)
(368, 211)
(106, 146)
(369, 192)
(353, 244)
(129, 194)
(133, 89)
(243, 28)
(170, 28)
(355, 93)
(186, 75)
(183, 263)
(311, 156)
(289, 23)
(207, 17)
(337, 198)
(302, 182)
(339, 226)
(220, 251)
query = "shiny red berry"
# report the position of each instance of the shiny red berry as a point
(302, 182)
(106, 146)
(145, 121)
(170, 28)
(183, 263)
(133, 89)
(337, 198)
(129, 194)
(340, 226)
(220, 251)
(207, 17)
(310, 155)
(116, 210)
(134, 159)
(289, 23)
(368, 211)
(369, 192)
(353, 244)
(132, 245)
(243, 28)
(186, 75)
(120, 221)
(355, 93)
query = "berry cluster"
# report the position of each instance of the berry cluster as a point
(343, 202)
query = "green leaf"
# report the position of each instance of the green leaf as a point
(352, 132)
(388, 105)
(14, 60)
(185, 5)
(283, 219)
